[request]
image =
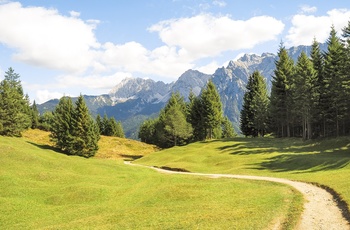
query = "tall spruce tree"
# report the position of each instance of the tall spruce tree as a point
(85, 131)
(346, 69)
(100, 124)
(321, 102)
(175, 127)
(334, 83)
(247, 115)
(212, 109)
(227, 128)
(147, 131)
(254, 114)
(120, 130)
(14, 106)
(62, 124)
(195, 117)
(281, 99)
(34, 116)
(305, 93)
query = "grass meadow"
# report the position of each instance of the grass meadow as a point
(324, 162)
(44, 189)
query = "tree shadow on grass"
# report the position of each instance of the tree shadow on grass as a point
(247, 146)
(312, 156)
(302, 163)
(293, 154)
(130, 157)
(48, 147)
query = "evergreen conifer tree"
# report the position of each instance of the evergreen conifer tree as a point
(227, 128)
(62, 124)
(147, 131)
(212, 109)
(34, 116)
(321, 102)
(14, 106)
(106, 129)
(85, 131)
(247, 115)
(120, 130)
(254, 114)
(100, 124)
(305, 93)
(334, 82)
(195, 117)
(346, 69)
(281, 98)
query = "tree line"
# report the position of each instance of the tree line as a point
(73, 130)
(181, 122)
(309, 98)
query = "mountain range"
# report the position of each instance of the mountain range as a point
(135, 99)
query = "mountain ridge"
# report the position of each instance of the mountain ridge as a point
(135, 99)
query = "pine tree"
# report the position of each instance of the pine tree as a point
(120, 130)
(254, 114)
(100, 124)
(14, 106)
(346, 69)
(45, 121)
(321, 100)
(85, 131)
(281, 99)
(227, 128)
(260, 105)
(106, 129)
(334, 82)
(177, 127)
(112, 127)
(62, 124)
(247, 115)
(34, 116)
(173, 122)
(212, 109)
(147, 131)
(305, 93)
(195, 117)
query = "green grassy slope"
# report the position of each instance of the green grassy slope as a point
(325, 162)
(43, 189)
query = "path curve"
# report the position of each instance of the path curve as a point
(320, 210)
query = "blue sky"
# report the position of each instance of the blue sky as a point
(85, 46)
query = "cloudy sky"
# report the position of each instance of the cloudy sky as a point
(86, 46)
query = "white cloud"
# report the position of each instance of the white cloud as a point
(165, 61)
(45, 95)
(306, 27)
(74, 14)
(42, 37)
(308, 9)
(205, 35)
(209, 68)
(92, 81)
(219, 3)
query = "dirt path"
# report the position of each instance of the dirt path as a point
(320, 210)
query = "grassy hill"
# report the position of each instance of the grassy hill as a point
(44, 189)
(109, 147)
(324, 162)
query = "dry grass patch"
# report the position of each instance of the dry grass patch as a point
(109, 147)
(116, 148)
